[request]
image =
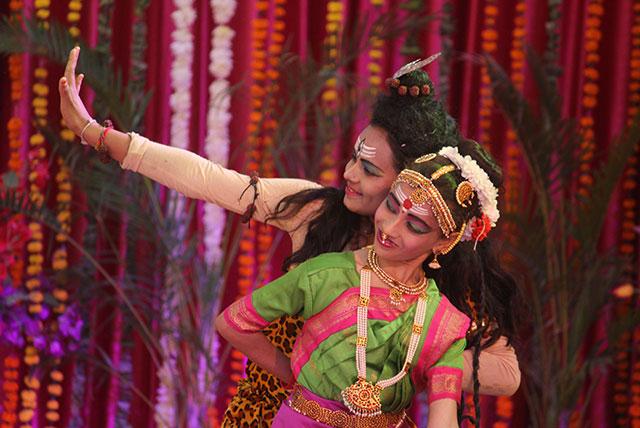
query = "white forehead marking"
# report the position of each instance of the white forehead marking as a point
(415, 209)
(364, 151)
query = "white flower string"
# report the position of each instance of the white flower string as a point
(217, 147)
(218, 116)
(485, 190)
(182, 48)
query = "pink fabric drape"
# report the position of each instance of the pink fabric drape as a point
(305, 26)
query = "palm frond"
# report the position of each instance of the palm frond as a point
(121, 102)
(568, 277)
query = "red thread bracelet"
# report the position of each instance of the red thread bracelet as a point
(101, 147)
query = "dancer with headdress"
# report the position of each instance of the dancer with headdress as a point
(377, 328)
(319, 219)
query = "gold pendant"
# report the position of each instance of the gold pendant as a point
(363, 398)
(395, 296)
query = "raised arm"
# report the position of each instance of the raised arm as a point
(499, 372)
(178, 169)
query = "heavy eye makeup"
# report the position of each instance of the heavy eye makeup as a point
(367, 167)
(414, 224)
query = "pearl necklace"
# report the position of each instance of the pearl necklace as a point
(362, 397)
(397, 287)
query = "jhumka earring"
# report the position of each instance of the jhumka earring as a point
(434, 264)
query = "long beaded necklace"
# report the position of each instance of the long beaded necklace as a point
(362, 397)
(397, 288)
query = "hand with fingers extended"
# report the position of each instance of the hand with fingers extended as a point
(77, 118)
(72, 108)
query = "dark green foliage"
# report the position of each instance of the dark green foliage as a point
(567, 275)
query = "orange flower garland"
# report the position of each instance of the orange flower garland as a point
(247, 246)
(376, 54)
(275, 48)
(11, 363)
(504, 405)
(10, 387)
(592, 36)
(627, 412)
(59, 260)
(329, 98)
(489, 37)
(37, 179)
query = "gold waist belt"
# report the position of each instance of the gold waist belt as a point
(340, 418)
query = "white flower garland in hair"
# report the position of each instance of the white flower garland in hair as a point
(484, 188)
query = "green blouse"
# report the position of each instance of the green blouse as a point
(325, 291)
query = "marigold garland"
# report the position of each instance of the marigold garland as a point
(330, 96)
(513, 158)
(275, 48)
(247, 246)
(375, 66)
(37, 178)
(626, 387)
(504, 405)
(590, 89)
(59, 261)
(10, 390)
(592, 36)
(489, 37)
(16, 162)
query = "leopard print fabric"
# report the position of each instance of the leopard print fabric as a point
(260, 394)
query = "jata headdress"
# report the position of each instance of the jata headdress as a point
(414, 90)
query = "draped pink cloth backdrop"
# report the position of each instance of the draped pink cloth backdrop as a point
(305, 20)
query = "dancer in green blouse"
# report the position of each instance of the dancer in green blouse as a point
(377, 328)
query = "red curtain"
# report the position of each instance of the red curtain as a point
(598, 52)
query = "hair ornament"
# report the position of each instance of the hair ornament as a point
(477, 230)
(424, 191)
(484, 188)
(391, 82)
(426, 158)
(415, 65)
(464, 194)
(442, 171)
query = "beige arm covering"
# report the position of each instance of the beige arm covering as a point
(199, 178)
(499, 372)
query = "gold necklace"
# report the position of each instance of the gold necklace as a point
(398, 288)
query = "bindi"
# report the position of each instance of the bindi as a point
(407, 205)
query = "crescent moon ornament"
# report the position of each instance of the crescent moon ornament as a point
(415, 65)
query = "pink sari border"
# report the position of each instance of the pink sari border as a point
(338, 316)
(428, 344)
(444, 382)
(242, 316)
(447, 326)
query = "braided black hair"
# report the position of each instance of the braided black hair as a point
(471, 276)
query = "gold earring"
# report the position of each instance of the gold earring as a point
(434, 264)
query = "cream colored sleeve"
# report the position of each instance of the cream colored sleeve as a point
(199, 178)
(498, 373)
